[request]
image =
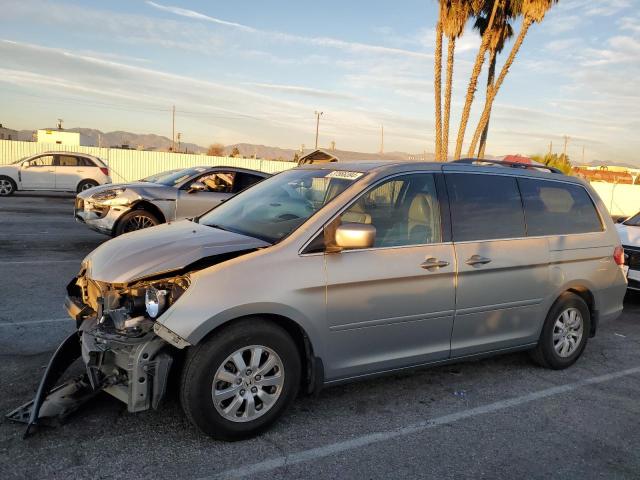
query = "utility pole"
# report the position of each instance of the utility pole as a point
(173, 128)
(178, 137)
(382, 138)
(583, 154)
(566, 140)
(318, 114)
(550, 146)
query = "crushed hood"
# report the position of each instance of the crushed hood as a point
(162, 249)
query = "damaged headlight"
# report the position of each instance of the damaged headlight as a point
(132, 311)
(155, 301)
(108, 194)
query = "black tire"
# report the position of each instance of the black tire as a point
(7, 186)
(204, 360)
(85, 185)
(545, 354)
(135, 220)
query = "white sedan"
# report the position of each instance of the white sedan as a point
(629, 232)
(58, 171)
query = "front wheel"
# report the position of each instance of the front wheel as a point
(136, 220)
(7, 186)
(241, 380)
(564, 334)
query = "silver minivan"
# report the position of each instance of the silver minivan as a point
(330, 273)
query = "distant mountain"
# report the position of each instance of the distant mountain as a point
(145, 141)
(94, 137)
(600, 163)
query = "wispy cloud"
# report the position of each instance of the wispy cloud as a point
(184, 12)
(300, 90)
(328, 42)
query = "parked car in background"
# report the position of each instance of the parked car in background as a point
(57, 171)
(335, 272)
(172, 195)
(629, 231)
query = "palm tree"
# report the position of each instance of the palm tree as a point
(456, 14)
(500, 33)
(477, 6)
(437, 82)
(533, 11)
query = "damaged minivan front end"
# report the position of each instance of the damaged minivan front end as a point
(116, 306)
(123, 354)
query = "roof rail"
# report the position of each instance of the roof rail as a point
(526, 166)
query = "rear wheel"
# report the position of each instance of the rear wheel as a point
(240, 381)
(7, 186)
(136, 220)
(86, 185)
(564, 334)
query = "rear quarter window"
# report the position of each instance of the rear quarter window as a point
(556, 208)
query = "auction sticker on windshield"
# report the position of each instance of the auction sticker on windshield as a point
(344, 174)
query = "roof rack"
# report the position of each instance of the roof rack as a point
(526, 166)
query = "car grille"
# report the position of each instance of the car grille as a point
(632, 257)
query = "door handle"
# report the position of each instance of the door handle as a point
(432, 263)
(477, 260)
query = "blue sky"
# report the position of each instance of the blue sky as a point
(255, 71)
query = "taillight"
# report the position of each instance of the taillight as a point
(105, 170)
(618, 255)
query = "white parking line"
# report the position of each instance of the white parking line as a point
(35, 322)
(364, 440)
(34, 262)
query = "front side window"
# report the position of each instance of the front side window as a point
(404, 210)
(274, 208)
(218, 182)
(44, 161)
(484, 207)
(555, 208)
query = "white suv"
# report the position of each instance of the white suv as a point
(61, 171)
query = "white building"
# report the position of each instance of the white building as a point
(59, 136)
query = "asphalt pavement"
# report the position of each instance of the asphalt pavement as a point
(497, 418)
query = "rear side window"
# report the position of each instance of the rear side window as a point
(67, 161)
(484, 207)
(554, 208)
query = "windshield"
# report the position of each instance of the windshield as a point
(156, 176)
(173, 178)
(633, 221)
(275, 207)
(21, 160)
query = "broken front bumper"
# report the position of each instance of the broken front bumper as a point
(102, 218)
(135, 370)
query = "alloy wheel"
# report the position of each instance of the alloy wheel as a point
(248, 383)
(138, 222)
(567, 332)
(6, 187)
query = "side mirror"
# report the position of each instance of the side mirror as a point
(351, 236)
(197, 187)
(621, 219)
(25, 165)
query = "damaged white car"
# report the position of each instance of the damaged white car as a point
(173, 195)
